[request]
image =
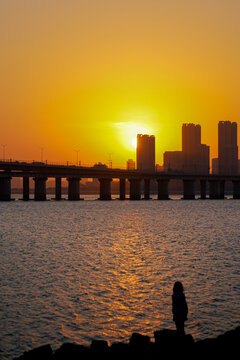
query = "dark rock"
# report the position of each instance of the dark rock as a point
(40, 353)
(99, 346)
(139, 340)
(140, 346)
(71, 351)
(230, 338)
(228, 343)
(206, 346)
(168, 344)
(165, 336)
(171, 343)
(119, 351)
(224, 346)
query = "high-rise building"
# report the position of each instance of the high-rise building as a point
(227, 148)
(195, 154)
(173, 160)
(159, 167)
(146, 152)
(191, 137)
(215, 166)
(130, 164)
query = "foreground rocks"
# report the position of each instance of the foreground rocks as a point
(167, 345)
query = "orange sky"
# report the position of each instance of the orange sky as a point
(88, 75)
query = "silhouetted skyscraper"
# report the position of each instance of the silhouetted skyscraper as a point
(173, 160)
(227, 148)
(146, 152)
(195, 154)
(191, 137)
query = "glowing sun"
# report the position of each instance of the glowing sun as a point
(134, 142)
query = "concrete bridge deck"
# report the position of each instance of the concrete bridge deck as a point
(40, 172)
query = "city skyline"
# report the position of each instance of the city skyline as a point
(191, 133)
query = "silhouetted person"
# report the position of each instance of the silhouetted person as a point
(179, 307)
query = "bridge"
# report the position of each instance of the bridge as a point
(40, 172)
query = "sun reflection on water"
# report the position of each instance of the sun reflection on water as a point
(92, 270)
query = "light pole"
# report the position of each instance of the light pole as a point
(110, 161)
(3, 152)
(42, 148)
(77, 151)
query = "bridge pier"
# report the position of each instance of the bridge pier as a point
(203, 189)
(105, 189)
(122, 188)
(5, 188)
(163, 189)
(40, 193)
(25, 188)
(221, 189)
(188, 189)
(236, 189)
(146, 189)
(58, 188)
(214, 189)
(135, 189)
(73, 188)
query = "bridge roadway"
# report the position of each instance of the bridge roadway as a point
(40, 172)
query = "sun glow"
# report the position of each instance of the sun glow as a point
(134, 142)
(127, 133)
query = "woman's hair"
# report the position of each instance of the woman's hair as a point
(177, 288)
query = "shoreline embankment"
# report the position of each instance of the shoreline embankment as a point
(167, 344)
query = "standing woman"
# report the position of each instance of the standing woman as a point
(179, 307)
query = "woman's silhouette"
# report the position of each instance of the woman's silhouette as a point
(179, 307)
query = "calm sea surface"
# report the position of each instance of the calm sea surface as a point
(77, 271)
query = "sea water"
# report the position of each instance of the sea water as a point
(77, 271)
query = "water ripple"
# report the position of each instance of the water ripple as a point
(101, 270)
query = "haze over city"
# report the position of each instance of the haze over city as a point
(90, 75)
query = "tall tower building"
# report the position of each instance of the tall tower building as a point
(146, 152)
(191, 137)
(227, 148)
(195, 154)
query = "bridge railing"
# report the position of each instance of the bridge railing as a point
(56, 163)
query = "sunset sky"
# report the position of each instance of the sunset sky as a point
(89, 75)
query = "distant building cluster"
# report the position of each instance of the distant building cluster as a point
(195, 156)
(130, 164)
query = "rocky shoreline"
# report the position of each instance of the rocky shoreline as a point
(167, 344)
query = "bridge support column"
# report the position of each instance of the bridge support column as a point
(25, 188)
(122, 188)
(58, 188)
(146, 189)
(236, 189)
(214, 189)
(188, 189)
(203, 189)
(221, 189)
(5, 188)
(105, 189)
(135, 189)
(163, 189)
(40, 193)
(73, 188)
